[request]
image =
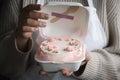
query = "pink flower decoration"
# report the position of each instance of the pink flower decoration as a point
(76, 43)
(55, 47)
(44, 44)
(68, 39)
(69, 48)
(50, 48)
(51, 40)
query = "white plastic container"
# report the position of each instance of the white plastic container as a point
(52, 66)
(62, 27)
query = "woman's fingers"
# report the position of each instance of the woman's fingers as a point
(37, 15)
(28, 21)
(32, 7)
(35, 23)
(66, 72)
(28, 29)
(87, 58)
(42, 72)
(26, 34)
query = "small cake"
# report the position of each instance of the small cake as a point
(60, 49)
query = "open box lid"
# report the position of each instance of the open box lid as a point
(65, 19)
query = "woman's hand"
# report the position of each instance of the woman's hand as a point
(83, 65)
(28, 22)
(67, 72)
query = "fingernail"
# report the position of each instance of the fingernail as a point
(46, 16)
(44, 24)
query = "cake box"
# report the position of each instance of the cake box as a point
(64, 21)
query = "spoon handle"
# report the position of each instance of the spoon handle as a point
(58, 18)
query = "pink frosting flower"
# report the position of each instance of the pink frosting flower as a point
(68, 39)
(55, 47)
(52, 40)
(69, 48)
(76, 43)
(44, 44)
(50, 48)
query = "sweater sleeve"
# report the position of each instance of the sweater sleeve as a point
(105, 63)
(102, 66)
(13, 62)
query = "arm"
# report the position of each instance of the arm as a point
(104, 64)
(15, 47)
(101, 66)
(12, 61)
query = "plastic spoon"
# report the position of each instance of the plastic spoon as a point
(71, 9)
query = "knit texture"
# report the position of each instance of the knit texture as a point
(103, 65)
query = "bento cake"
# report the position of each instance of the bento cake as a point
(60, 49)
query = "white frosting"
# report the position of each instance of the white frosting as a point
(61, 45)
(62, 54)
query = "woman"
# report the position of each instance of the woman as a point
(16, 49)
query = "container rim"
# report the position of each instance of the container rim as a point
(63, 62)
